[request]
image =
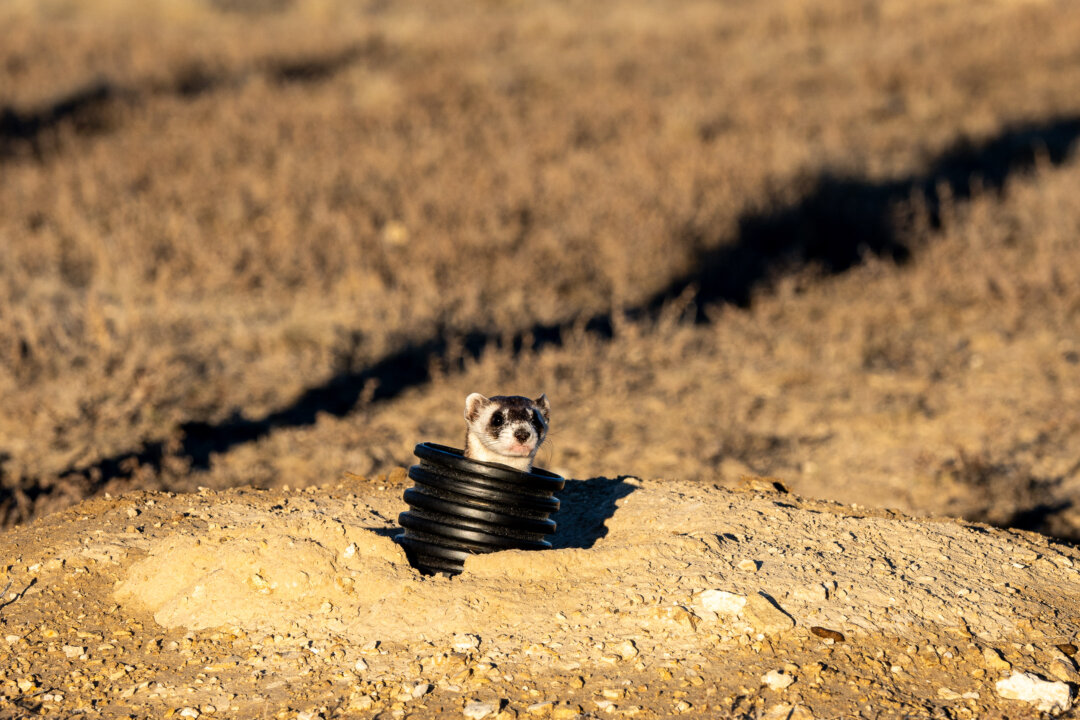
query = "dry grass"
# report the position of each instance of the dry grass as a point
(207, 209)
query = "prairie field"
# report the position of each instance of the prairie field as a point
(269, 242)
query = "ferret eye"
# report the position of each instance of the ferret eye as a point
(497, 420)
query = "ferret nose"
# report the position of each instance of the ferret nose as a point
(521, 434)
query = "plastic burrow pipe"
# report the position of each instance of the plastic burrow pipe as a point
(460, 507)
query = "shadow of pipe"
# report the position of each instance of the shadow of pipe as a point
(585, 508)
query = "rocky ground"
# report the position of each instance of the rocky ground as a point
(660, 598)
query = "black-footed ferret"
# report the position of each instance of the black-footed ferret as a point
(505, 429)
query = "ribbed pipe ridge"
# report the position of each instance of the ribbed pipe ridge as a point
(460, 507)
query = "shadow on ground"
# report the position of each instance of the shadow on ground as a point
(89, 110)
(585, 506)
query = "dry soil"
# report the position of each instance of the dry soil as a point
(660, 598)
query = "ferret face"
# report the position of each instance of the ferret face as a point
(505, 428)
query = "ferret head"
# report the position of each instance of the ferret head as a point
(506, 429)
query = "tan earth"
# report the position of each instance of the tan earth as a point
(659, 598)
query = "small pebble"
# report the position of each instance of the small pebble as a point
(1063, 670)
(465, 643)
(361, 702)
(828, 634)
(777, 680)
(625, 650)
(476, 710)
(764, 615)
(995, 661)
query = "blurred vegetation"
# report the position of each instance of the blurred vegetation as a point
(265, 242)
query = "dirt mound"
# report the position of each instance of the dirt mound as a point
(660, 597)
(325, 568)
(264, 572)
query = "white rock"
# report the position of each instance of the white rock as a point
(465, 643)
(421, 690)
(1046, 696)
(777, 680)
(478, 710)
(721, 602)
(360, 665)
(73, 651)
(189, 713)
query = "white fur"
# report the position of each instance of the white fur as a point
(506, 448)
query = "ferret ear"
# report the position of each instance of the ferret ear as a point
(545, 407)
(474, 405)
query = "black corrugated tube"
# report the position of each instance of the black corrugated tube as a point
(461, 507)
